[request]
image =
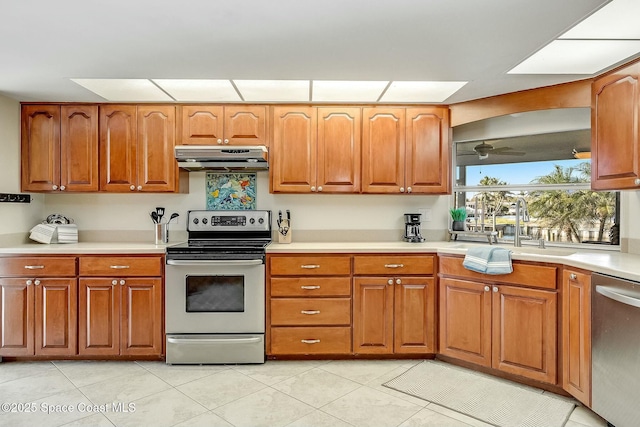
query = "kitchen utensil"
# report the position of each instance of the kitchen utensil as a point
(154, 217)
(57, 219)
(160, 212)
(162, 233)
(172, 217)
(284, 227)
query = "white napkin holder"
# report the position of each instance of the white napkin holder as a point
(54, 233)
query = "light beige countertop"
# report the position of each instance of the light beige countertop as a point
(88, 248)
(614, 263)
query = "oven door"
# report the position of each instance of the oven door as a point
(215, 297)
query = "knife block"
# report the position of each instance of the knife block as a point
(284, 238)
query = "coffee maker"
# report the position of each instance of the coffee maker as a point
(412, 228)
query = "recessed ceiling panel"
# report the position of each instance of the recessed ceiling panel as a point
(124, 90)
(616, 20)
(199, 90)
(347, 91)
(274, 90)
(421, 91)
(577, 56)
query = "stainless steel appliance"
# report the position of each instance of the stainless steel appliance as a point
(223, 157)
(412, 228)
(215, 289)
(615, 342)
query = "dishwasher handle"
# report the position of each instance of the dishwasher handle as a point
(617, 296)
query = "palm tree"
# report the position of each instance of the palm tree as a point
(495, 200)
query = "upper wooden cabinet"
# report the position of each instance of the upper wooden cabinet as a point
(59, 148)
(615, 117)
(222, 125)
(136, 148)
(316, 150)
(406, 150)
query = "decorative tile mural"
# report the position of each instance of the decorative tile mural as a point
(229, 191)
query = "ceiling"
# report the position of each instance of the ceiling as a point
(45, 44)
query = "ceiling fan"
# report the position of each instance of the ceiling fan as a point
(483, 150)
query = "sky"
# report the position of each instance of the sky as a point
(520, 173)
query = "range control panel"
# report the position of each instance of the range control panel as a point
(229, 221)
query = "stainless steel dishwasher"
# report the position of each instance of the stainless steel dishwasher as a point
(615, 335)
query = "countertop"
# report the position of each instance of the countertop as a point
(88, 248)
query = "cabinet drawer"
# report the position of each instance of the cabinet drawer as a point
(310, 311)
(310, 286)
(120, 266)
(539, 276)
(393, 264)
(311, 265)
(38, 266)
(325, 340)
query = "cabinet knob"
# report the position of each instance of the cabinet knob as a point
(319, 188)
(408, 189)
(62, 188)
(390, 281)
(37, 282)
(487, 289)
(55, 187)
(398, 282)
(637, 181)
(122, 282)
(495, 289)
(313, 188)
(139, 187)
(29, 282)
(226, 141)
(133, 187)
(114, 282)
(573, 276)
(402, 189)
(219, 141)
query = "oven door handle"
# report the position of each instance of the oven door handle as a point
(201, 262)
(214, 340)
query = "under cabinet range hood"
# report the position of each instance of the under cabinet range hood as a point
(222, 158)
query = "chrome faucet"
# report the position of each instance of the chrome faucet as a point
(521, 209)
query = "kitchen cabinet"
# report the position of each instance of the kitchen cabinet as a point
(316, 149)
(576, 334)
(615, 120)
(309, 304)
(136, 149)
(223, 125)
(406, 150)
(511, 328)
(120, 306)
(394, 313)
(59, 148)
(38, 304)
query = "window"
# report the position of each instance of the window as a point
(551, 172)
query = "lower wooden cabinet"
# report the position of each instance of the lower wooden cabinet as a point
(510, 328)
(576, 334)
(120, 316)
(311, 340)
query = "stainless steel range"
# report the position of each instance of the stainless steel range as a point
(215, 289)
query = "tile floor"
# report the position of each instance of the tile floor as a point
(278, 393)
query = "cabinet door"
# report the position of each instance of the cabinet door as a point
(118, 150)
(415, 315)
(465, 321)
(79, 148)
(245, 125)
(157, 167)
(99, 317)
(40, 147)
(428, 151)
(372, 315)
(576, 335)
(16, 317)
(201, 125)
(339, 150)
(383, 150)
(524, 332)
(293, 155)
(615, 147)
(141, 318)
(56, 317)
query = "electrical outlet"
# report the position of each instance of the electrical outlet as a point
(426, 214)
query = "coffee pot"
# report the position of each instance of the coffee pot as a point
(412, 228)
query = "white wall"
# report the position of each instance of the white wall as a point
(308, 211)
(14, 217)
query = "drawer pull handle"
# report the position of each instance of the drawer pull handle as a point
(394, 265)
(310, 287)
(34, 267)
(118, 267)
(310, 312)
(310, 341)
(310, 266)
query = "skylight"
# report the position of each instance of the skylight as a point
(199, 90)
(124, 90)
